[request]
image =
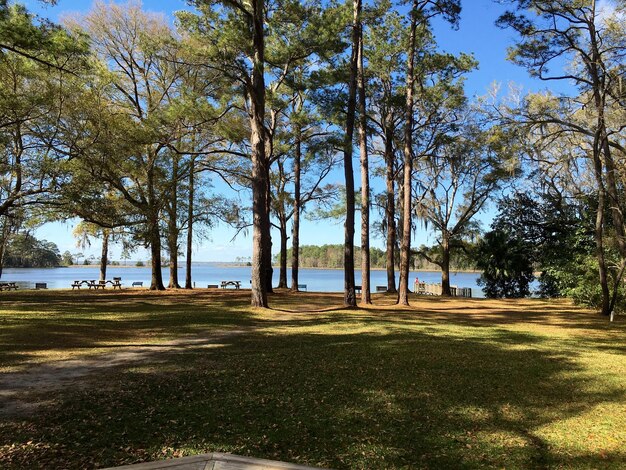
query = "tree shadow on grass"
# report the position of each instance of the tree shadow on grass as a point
(404, 399)
(66, 321)
(80, 321)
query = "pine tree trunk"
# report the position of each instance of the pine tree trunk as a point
(390, 208)
(405, 247)
(295, 231)
(602, 145)
(366, 296)
(4, 241)
(269, 265)
(172, 231)
(190, 208)
(608, 187)
(104, 254)
(154, 234)
(156, 282)
(172, 242)
(602, 272)
(599, 228)
(282, 278)
(348, 264)
(261, 240)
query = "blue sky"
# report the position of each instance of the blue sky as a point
(477, 34)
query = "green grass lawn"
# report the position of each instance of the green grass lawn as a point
(443, 384)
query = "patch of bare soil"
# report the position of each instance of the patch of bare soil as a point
(21, 393)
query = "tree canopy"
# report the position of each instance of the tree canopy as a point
(245, 112)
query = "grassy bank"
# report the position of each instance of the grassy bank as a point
(443, 384)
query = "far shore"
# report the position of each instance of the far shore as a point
(232, 265)
(95, 265)
(424, 270)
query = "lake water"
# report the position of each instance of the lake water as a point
(317, 280)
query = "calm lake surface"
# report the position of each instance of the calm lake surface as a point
(317, 280)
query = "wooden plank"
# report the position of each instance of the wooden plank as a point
(216, 461)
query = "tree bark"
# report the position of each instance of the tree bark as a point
(445, 266)
(282, 278)
(104, 254)
(599, 227)
(154, 235)
(4, 240)
(269, 265)
(295, 231)
(366, 296)
(390, 208)
(405, 248)
(173, 232)
(602, 271)
(349, 298)
(261, 241)
(601, 148)
(601, 145)
(172, 241)
(614, 195)
(190, 208)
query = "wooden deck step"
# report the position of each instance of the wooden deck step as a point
(215, 461)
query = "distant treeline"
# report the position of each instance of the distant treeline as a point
(25, 251)
(331, 257)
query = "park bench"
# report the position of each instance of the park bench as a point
(8, 286)
(41, 285)
(357, 289)
(381, 288)
(302, 287)
(137, 284)
(212, 286)
(235, 284)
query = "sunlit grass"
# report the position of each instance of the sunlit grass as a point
(443, 384)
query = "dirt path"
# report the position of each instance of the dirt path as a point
(22, 392)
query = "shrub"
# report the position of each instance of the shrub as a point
(506, 265)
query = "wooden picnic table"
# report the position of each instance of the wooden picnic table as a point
(8, 286)
(235, 284)
(93, 284)
(114, 283)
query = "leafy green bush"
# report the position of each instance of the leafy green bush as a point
(506, 265)
(579, 280)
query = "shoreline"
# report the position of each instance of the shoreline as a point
(229, 265)
(423, 270)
